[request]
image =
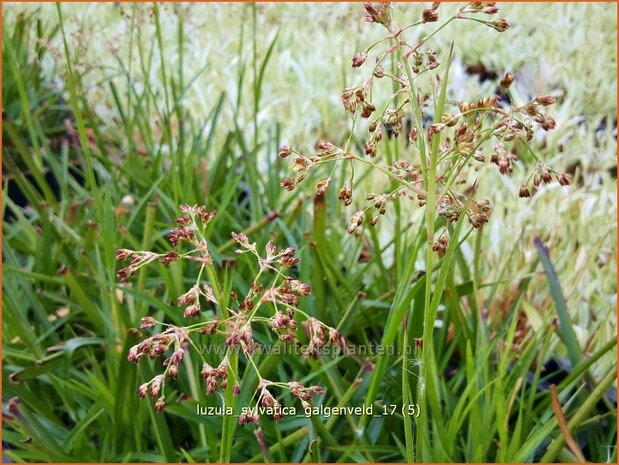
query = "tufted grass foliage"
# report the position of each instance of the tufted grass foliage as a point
(163, 119)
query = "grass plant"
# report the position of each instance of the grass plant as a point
(504, 345)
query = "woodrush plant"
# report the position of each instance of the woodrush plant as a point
(272, 300)
(71, 394)
(447, 140)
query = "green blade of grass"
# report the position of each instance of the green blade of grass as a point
(565, 324)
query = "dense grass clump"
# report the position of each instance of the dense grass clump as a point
(434, 283)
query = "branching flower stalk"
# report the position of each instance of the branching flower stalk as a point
(462, 137)
(272, 301)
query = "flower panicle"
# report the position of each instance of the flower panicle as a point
(233, 319)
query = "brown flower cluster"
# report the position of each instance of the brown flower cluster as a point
(487, 131)
(272, 300)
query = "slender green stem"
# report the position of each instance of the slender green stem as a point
(225, 450)
(408, 423)
(402, 181)
(430, 181)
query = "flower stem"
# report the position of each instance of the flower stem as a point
(430, 182)
(225, 450)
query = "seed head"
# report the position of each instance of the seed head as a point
(429, 15)
(211, 385)
(206, 371)
(280, 320)
(484, 206)
(379, 71)
(205, 216)
(160, 404)
(326, 149)
(487, 102)
(182, 233)
(298, 287)
(337, 339)
(321, 187)
(499, 25)
(155, 385)
(359, 59)
(135, 354)
(271, 250)
(537, 179)
(241, 239)
(378, 13)
(563, 179)
(267, 399)
(507, 80)
(349, 103)
(300, 165)
(532, 110)
(207, 291)
(170, 257)
(297, 390)
(124, 254)
(177, 357)
(367, 108)
(289, 183)
(546, 100)
(524, 192)
(143, 390)
(488, 8)
(126, 272)
(284, 151)
(192, 299)
(548, 123)
(288, 261)
(345, 194)
(147, 322)
(435, 128)
(477, 220)
(370, 149)
(172, 371)
(355, 221)
(441, 244)
(249, 418)
(210, 327)
(317, 389)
